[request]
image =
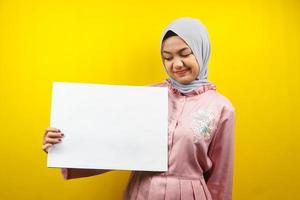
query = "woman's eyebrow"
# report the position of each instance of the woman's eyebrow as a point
(164, 51)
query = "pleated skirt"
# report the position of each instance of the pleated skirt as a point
(155, 186)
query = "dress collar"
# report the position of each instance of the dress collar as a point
(197, 91)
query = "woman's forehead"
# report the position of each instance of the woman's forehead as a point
(174, 43)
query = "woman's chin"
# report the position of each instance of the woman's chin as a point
(183, 80)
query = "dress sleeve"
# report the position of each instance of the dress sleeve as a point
(219, 177)
(71, 173)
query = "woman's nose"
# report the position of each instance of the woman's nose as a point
(177, 64)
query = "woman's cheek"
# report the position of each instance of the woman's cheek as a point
(168, 67)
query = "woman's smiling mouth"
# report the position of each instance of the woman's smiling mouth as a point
(181, 72)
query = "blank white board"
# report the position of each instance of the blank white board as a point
(110, 127)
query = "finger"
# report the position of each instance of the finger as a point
(52, 129)
(55, 134)
(52, 141)
(46, 147)
(52, 135)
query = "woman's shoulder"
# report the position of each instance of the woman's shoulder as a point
(221, 100)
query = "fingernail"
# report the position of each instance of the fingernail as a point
(59, 139)
(62, 135)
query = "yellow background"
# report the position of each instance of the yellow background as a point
(255, 63)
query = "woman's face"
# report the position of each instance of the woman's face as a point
(179, 60)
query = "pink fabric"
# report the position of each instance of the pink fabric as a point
(200, 146)
(201, 150)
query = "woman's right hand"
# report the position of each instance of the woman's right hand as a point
(51, 137)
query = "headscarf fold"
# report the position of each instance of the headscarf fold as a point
(195, 34)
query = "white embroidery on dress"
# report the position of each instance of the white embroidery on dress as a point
(203, 123)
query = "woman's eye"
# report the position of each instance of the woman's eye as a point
(186, 55)
(168, 58)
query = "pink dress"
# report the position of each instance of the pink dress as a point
(200, 146)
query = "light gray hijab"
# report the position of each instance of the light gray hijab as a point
(194, 33)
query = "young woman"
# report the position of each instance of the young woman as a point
(201, 126)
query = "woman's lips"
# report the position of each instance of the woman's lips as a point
(181, 72)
